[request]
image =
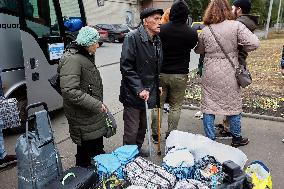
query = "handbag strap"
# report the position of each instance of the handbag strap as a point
(222, 48)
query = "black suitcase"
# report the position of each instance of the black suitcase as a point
(75, 178)
(235, 177)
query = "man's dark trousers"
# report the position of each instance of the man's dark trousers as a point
(1, 89)
(135, 125)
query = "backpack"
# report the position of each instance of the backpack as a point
(142, 172)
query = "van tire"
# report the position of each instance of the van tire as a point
(111, 39)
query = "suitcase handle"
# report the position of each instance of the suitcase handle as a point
(35, 105)
(67, 176)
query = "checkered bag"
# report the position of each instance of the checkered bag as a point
(142, 172)
(9, 112)
(190, 184)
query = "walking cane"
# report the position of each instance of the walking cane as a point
(159, 132)
(148, 129)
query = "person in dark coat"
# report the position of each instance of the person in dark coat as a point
(241, 9)
(140, 62)
(82, 92)
(177, 39)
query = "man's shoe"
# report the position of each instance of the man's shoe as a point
(239, 141)
(155, 139)
(8, 160)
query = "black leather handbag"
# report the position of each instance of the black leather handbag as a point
(243, 75)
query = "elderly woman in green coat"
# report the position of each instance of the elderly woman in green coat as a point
(82, 92)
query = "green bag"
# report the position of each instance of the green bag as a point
(113, 182)
(110, 124)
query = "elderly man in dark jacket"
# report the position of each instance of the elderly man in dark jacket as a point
(178, 39)
(140, 62)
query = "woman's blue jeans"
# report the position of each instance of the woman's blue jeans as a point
(234, 121)
(2, 147)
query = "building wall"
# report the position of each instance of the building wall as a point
(69, 8)
(113, 12)
(163, 4)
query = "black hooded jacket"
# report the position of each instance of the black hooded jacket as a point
(177, 40)
(251, 22)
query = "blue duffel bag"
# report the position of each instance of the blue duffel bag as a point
(73, 24)
(114, 163)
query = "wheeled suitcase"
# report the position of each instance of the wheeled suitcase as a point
(75, 178)
(38, 158)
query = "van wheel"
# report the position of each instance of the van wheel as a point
(111, 39)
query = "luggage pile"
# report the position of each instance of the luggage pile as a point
(191, 162)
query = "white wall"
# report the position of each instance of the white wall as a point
(70, 8)
(113, 12)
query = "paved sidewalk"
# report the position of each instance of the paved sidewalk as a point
(265, 145)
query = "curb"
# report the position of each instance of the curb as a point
(248, 115)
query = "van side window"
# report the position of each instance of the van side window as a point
(8, 6)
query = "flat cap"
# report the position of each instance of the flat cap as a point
(150, 11)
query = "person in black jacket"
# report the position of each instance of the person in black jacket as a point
(140, 62)
(178, 39)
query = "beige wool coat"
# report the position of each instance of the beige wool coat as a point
(220, 92)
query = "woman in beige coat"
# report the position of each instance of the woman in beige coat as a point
(221, 93)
